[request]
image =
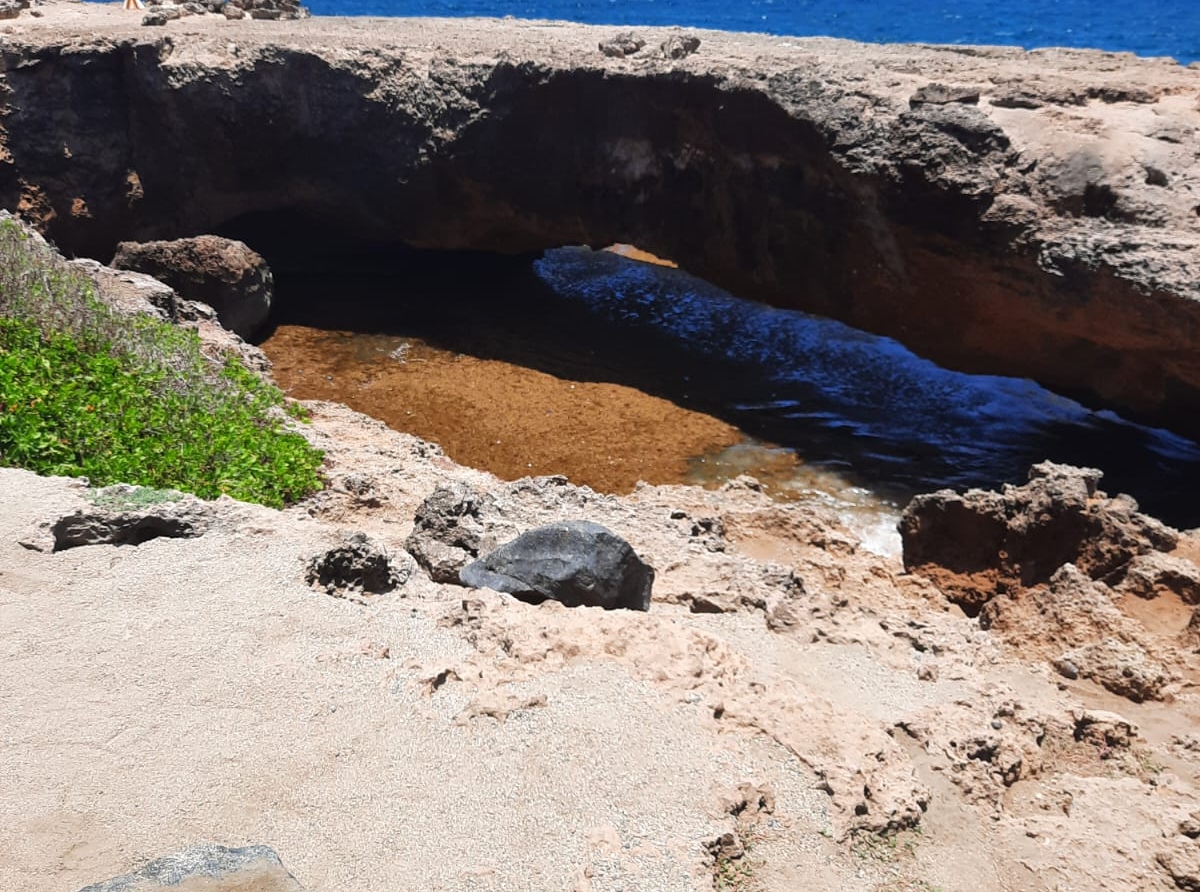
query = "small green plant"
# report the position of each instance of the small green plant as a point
(737, 872)
(879, 847)
(88, 391)
(733, 874)
(886, 847)
(126, 498)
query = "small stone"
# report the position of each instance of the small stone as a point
(727, 846)
(624, 44)
(678, 46)
(1123, 668)
(450, 530)
(1067, 669)
(1105, 730)
(940, 94)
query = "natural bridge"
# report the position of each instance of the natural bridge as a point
(1032, 214)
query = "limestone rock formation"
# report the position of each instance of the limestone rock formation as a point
(577, 563)
(225, 274)
(983, 543)
(207, 868)
(624, 44)
(1049, 568)
(273, 10)
(451, 528)
(161, 15)
(1046, 229)
(1123, 668)
(679, 46)
(123, 515)
(1152, 575)
(358, 565)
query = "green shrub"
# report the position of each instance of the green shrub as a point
(88, 391)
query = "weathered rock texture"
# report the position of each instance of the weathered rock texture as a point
(1057, 569)
(225, 274)
(1002, 211)
(358, 565)
(123, 515)
(985, 543)
(453, 526)
(575, 562)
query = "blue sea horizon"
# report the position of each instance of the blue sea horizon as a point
(1145, 27)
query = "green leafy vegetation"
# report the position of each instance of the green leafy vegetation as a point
(86, 390)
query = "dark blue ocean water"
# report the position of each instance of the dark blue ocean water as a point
(1145, 27)
(866, 404)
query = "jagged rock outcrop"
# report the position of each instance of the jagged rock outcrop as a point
(359, 565)
(996, 210)
(453, 526)
(272, 10)
(984, 543)
(1055, 569)
(1151, 575)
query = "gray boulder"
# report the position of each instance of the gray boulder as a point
(207, 868)
(578, 563)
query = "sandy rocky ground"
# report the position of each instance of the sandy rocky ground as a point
(795, 711)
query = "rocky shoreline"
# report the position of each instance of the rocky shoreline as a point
(312, 698)
(1014, 709)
